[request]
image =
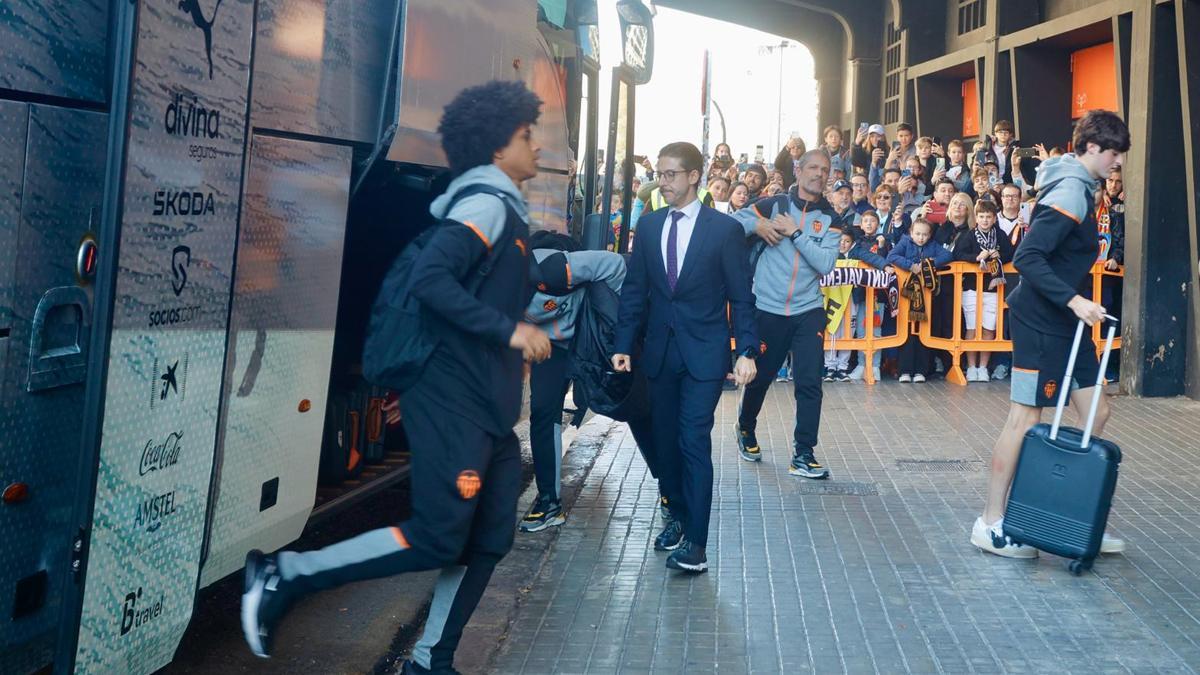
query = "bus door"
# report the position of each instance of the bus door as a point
(53, 135)
(173, 199)
(619, 166)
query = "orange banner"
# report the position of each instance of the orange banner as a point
(1093, 80)
(970, 108)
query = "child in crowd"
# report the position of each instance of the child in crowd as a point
(910, 253)
(986, 245)
(837, 361)
(872, 248)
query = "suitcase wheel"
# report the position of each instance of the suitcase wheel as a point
(1078, 567)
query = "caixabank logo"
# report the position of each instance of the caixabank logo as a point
(193, 9)
(168, 380)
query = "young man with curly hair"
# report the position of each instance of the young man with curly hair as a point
(466, 470)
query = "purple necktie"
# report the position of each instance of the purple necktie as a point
(672, 251)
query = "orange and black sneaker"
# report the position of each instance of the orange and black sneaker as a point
(748, 445)
(805, 464)
(545, 512)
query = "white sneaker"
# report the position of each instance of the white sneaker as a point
(1112, 544)
(1000, 373)
(991, 538)
(875, 372)
(971, 377)
(981, 374)
(918, 378)
(906, 378)
(857, 373)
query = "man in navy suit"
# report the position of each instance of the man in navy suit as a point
(689, 264)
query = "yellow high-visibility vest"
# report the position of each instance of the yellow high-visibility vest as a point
(657, 202)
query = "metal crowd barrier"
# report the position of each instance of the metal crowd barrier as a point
(951, 282)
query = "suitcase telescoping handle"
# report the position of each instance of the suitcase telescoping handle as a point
(1065, 389)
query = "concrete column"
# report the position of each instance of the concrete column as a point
(1159, 271)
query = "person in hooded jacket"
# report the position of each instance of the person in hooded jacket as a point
(564, 273)
(459, 415)
(1054, 258)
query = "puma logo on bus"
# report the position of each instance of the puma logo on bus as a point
(192, 7)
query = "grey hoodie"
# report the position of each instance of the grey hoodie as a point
(787, 278)
(483, 213)
(1063, 183)
(557, 314)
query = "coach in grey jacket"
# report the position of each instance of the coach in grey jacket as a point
(799, 245)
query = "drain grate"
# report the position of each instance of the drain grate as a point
(830, 488)
(938, 465)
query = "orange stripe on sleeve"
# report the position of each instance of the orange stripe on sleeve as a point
(400, 538)
(1066, 213)
(760, 213)
(569, 283)
(479, 233)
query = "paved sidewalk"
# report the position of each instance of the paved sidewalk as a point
(870, 571)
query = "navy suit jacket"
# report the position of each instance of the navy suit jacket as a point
(715, 271)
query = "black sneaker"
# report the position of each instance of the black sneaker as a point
(545, 512)
(671, 536)
(828, 376)
(748, 444)
(805, 464)
(841, 376)
(265, 599)
(412, 668)
(689, 558)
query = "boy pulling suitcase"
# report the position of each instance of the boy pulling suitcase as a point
(1054, 259)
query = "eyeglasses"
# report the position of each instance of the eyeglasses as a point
(884, 197)
(672, 174)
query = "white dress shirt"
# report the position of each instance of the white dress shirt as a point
(683, 234)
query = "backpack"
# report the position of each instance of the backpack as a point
(400, 335)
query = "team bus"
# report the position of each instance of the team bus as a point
(199, 200)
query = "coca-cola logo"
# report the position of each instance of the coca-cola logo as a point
(161, 455)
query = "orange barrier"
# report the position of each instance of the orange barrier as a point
(956, 344)
(951, 282)
(869, 344)
(1098, 274)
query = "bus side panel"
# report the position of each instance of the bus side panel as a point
(52, 164)
(283, 320)
(319, 67)
(56, 48)
(186, 153)
(449, 46)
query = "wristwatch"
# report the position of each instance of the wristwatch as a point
(796, 235)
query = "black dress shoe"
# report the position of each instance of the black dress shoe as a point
(671, 536)
(689, 558)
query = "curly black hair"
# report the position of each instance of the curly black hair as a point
(482, 119)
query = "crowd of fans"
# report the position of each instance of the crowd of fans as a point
(903, 202)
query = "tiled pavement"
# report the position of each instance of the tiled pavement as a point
(872, 570)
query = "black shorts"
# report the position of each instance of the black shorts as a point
(1039, 361)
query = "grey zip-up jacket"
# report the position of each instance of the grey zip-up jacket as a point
(557, 314)
(787, 278)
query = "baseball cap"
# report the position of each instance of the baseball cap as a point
(875, 129)
(840, 185)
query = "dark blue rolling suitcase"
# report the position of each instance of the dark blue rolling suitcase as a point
(1064, 482)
